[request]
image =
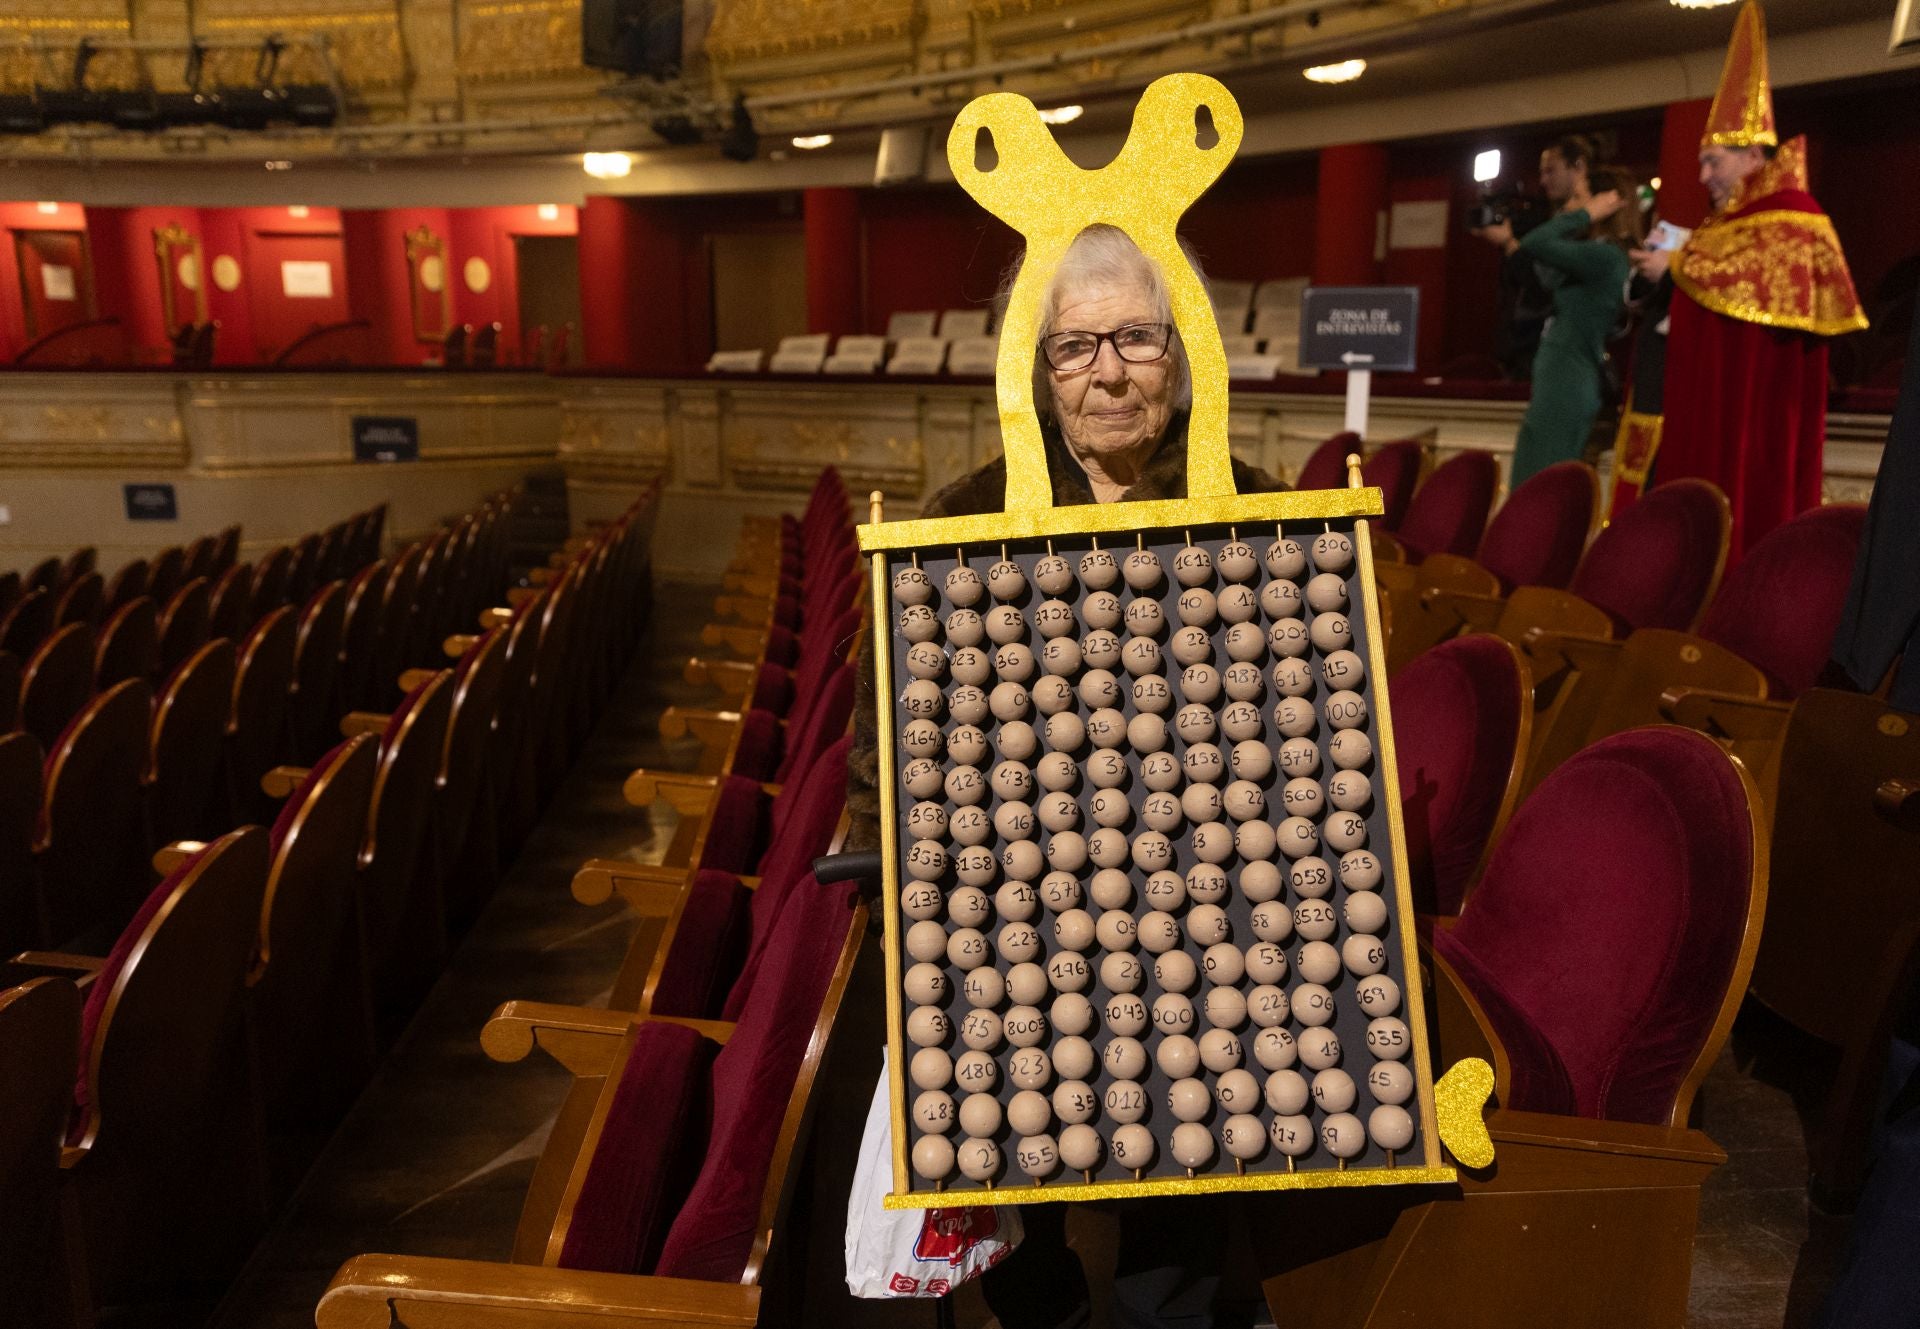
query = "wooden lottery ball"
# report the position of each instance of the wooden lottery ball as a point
(1312, 1004)
(1238, 1091)
(1344, 831)
(1275, 1049)
(972, 665)
(1193, 566)
(1346, 710)
(1267, 1005)
(1196, 607)
(1151, 695)
(1141, 655)
(1142, 570)
(1146, 733)
(1177, 1056)
(1195, 723)
(972, 826)
(922, 699)
(919, 623)
(1254, 840)
(1294, 717)
(1005, 624)
(1333, 1090)
(1051, 695)
(1124, 1058)
(1164, 891)
(1298, 837)
(966, 949)
(927, 941)
(1212, 842)
(1157, 932)
(1060, 658)
(1192, 1145)
(1302, 798)
(1343, 1135)
(1243, 1136)
(1350, 749)
(1203, 764)
(985, 986)
(1111, 888)
(922, 738)
(1059, 812)
(1292, 678)
(1208, 924)
(1021, 861)
(1067, 851)
(1319, 1048)
(1071, 1014)
(1200, 683)
(1126, 1015)
(933, 1157)
(1014, 820)
(1054, 618)
(1037, 1155)
(1172, 1014)
(926, 860)
(1134, 1147)
(1160, 811)
(1390, 1082)
(975, 866)
(1343, 669)
(1388, 1039)
(1287, 639)
(1245, 643)
(927, 984)
(967, 745)
(1363, 955)
(1271, 921)
(1074, 1058)
(1175, 971)
(1285, 558)
(1292, 1135)
(1261, 881)
(1300, 759)
(1030, 1068)
(1266, 962)
(1160, 771)
(978, 1159)
(981, 1029)
(1328, 632)
(1390, 1127)
(968, 705)
(1311, 878)
(1025, 1027)
(925, 660)
(1126, 1101)
(1241, 721)
(965, 628)
(1057, 772)
(1114, 930)
(1188, 1100)
(1226, 1008)
(1018, 942)
(1332, 551)
(1014, 663)
(1206, 883)
(1350, 791)
(1317, 961)
(1053, 575)
(1009, 701)
(1107, 728)
(1012, 779)
(928, 1026)
(1378, 995)
(1223, 963)
(1152, 851)
(1074, 1101)
(1122, 972)
(1221, 1050)
(1252, 760)
(1103, 611)
(964, 586)
(1145, 618)
(1282, 602)
(1068, 971)
(1099, 689)
(1006, 580)
(922, 900)
(1081, 1148)
(1327, 593)
(1190, 646)
(1236, 605)
(911, 586)
(933, 1111)
(1242, 681)
(976, 1072)
(1073, 930)
(1360, 870)
(1027, 984)
(1236, 561)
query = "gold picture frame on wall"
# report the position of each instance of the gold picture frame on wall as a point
(183, 277)
(428, 290)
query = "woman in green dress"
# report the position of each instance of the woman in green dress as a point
(1582, 258)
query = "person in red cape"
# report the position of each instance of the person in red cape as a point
(1758, 288)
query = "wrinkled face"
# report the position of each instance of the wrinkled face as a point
(1722, 170)
(1558, 178)
(1113, 406)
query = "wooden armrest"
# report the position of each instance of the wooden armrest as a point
(742, 641)
(1460, 1027)
(1386, 549)
(29, 965)
(355, 723)
(1396, 577)
(717, 1030)
(167, 859)
(539, 576)
(715, 729)
(1898, 801)
(497, 617)
(459, 644)
(1727, 715)
(379, 1291)
(733, 677)
(584, 1039)
(519, 595)
(689, 795)
(650, 891)
(762, 586)
(281, 781)
(1586, 1134)
(751, 610)
(1478, 612)
(1554, 651)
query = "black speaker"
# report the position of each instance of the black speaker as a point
(631, 36)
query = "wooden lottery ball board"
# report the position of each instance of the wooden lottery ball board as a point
(1148, 928)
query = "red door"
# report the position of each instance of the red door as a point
(56, 282)
(299, 284)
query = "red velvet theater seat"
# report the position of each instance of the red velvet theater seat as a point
(1448, 513)
(1538, 535)
(1780, 606)
(1327, 467)
(92, 849)
(1395, 470)
(1658, 565)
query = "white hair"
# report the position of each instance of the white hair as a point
(1104, 257)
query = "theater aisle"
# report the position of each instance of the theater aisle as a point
(435, 1157)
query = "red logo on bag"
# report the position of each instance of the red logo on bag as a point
(903, 1285)
(948, 1234)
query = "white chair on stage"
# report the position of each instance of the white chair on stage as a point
(973, 355)
(736, 362)
(957, 324)
(857, 355)
(1231, 300)
(919, 355)
(800, 355)
(911, 323)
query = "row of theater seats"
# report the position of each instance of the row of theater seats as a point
(662, 1192)
(246, 997)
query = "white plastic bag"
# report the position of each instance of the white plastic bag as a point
(914, 1252)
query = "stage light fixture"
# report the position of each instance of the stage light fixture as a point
(811, 141)
(607, 165)
(1346, 71)
(549, 212)
(1486, 166)
(1061, 115)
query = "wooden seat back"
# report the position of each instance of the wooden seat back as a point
(56, 682)
(28, 622)
(186, 796)
(9, 691)
(360, 633)
(46, 575)
(463, 767)
(78, 564)
(425, 627)
(262, 693)
(330, 563)
(202, 558)
(39, 1032)
(93, 847)
(271, 575)
(82, 600)
(129, 583)
(186, 622)
(303, 572)
(405, 920)
(167, 573)
(316, 669)
(232, 611)
(227, 551)
(21, 927)
(129, 644)
(395, 638)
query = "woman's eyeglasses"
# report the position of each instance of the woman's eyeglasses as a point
(1137, 343)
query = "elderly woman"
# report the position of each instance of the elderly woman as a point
(1112, 389)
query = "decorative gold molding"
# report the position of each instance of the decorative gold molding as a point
(171, 244)
(431, 298)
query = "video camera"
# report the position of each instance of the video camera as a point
(1508, 204)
